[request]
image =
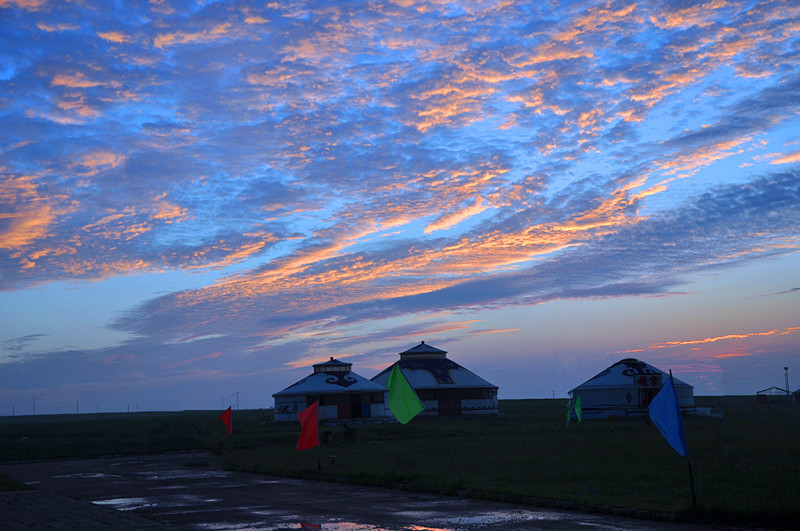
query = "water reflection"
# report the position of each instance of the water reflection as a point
(322, 526)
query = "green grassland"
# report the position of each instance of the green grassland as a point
(746, 464)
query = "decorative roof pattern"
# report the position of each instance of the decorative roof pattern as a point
(332, 377)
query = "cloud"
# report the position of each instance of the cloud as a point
(324, 169)
(728, 337)
(18, 344)
(30, 5)
(637, 259)
(789, 158)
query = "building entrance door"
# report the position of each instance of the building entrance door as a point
(449, 402)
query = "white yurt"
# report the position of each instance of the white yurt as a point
(342, 394)
(625, 389)
(443, 386)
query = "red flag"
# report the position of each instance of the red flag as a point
(309, 434)
(226, 418)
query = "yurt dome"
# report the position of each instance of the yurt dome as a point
(625, 389)
(443, 386)
(342, 394)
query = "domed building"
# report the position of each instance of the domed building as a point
(443, 386)
(342, 394)
(625, 389)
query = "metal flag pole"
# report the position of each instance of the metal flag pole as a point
(688, 460)
(430, 417)
(691, 482)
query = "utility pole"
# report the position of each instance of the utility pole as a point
(786, 373)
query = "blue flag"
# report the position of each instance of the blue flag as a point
(665, 412)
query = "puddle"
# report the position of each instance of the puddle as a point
(498, 517)
(184, 474)
(86, 475)
(125, 504)
(132, 504)
(339, 526)
(292, 522)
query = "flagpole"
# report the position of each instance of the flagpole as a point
(691, 482)
(405, 404)
(688, 461)
(430, 417)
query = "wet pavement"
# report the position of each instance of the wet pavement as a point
(182, 491)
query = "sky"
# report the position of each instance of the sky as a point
(201, 199)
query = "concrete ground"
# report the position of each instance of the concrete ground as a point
(179, 491)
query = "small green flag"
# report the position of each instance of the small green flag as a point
(578, 409)
(403, 401)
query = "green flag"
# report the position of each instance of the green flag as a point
(403, 401)
(578, 409)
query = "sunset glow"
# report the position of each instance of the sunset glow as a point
(203, 196)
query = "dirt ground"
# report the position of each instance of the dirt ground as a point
(178, 491)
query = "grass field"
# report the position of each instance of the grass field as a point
(746, 465)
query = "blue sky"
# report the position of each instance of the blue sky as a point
(199, 197)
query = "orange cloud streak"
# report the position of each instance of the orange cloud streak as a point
(790, 158)
(775, 332)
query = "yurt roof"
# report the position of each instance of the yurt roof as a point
(624, 374)
(427, 367)
(332, 377)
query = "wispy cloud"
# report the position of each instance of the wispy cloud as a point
(326, 169)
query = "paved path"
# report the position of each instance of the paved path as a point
(40, 510)
(173, 491)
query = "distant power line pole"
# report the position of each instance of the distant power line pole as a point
(786, 372)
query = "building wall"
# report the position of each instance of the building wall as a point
(459, 401)
(332, 406)
(602, 403)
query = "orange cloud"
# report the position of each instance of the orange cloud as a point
(687, 164)
(735, 355)
(790, 158)
(695, 15)
(775, 332)
(104, 269)
(79, 80)
(163, 210)
(499, 331)
(63, 26)
(594, 18)
(113, 36)
(29, 215)
(454, 218)
(215, 33)
(29, 5)
(101, 160)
